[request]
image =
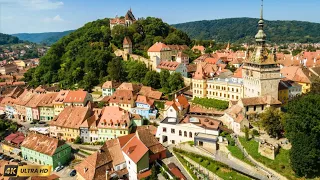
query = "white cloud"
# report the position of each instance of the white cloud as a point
(34, 4)
(57, 18)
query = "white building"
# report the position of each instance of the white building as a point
(173, 66)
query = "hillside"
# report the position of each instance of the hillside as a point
(244, 29)
(82, 56)
(47, 37)
(8, 39)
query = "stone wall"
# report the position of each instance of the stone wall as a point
(268, 150)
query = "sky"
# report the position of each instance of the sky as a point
(33, 16)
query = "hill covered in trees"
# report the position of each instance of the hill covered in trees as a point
(244, 29)
(82, 57)
(8, 39)
(43, 38)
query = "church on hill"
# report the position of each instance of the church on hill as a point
(127, 20)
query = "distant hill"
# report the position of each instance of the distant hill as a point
(244, 30)
(47, 37)
(8, 39)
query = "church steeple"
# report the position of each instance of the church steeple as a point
(261, 36)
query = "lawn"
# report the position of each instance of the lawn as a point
(281, 164)
(217, 168)
(237, 153)
(211, 103)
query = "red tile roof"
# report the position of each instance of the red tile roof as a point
(169, 65)
(263, 100)
(110, 84)
(47, 99)
(183, 101)
(176, 171)
(76, 97)
(158, 47)
(238, 73)
(122, 97)
(42, 144)
(204, 122)
(61, 97)
(200, 48)
(144, 100)
(71, 117)
(113, 116)
(127, 41)
(150, 93)
(135, 149)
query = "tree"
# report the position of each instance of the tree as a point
(78, 140)
(175, 81)
(152, 79)
(164, 80)
(272, 121)
(246, 133)
(136, 71)
(302, 124)
(116, 70)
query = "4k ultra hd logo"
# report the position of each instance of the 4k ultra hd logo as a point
(26, 170)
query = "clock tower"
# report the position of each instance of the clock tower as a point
(261, 73)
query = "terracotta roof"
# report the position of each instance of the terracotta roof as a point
(150, 93)
(238, 73)
(110, 84)
(191, 68)
(169, 65)
(144, 174)
(178, 47)
(15, 92)
(122, 97)
(34, 102)
(14, 136)
(24, 98)
(183, 101)
(76, 96)
(61, 97)
(127, 41)
(150, 141)
(296, 74)
(47, 99)
(42, 144)
(135, 149)
(114, 148)
(203, 122)
(263, 100)
(151, 128)
(130, 86)
(144, 100)
(198, 109)
(200, 48)
(7, 101)
(158, 47)
(117, 21)
(71, 117)
(92, 121)
(199, 74)
(235, 112)
(114, 117)
(173, 104)
(124, 139)
(211, 60)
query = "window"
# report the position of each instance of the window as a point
(164, 129)
(254, 108)
(180, 133)
(172, 131)
(185, 134)
(190, 134)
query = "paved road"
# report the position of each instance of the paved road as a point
(64, 174)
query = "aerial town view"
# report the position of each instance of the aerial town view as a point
(182, 90)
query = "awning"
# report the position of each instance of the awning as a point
(16, 151)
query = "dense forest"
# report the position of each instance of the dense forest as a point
(47, 38)
(244, 29)
(81, 58)
(8, 39)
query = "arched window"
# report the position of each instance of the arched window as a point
(180, 133)
(185, 134)
(190, 134)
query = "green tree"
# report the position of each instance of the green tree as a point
(246, 133)
(302, 124)
(272, 121)
(136, 71)
(175, 81)
(77, 140)
(116, 70)
(152, 79)
(164, 80)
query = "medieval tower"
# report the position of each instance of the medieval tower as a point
(261, 74)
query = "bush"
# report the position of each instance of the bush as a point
(78, 140)
(211, 103)
(255, 132)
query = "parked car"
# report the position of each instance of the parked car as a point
(59, 168)
(22, 163)
(15, 160)
(1, 156)
(73, 173)
(41, 122)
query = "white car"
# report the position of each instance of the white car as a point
(59, 168)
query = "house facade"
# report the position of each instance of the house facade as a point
(159, 52)
(44, 150)
(144, 107)
(173, 66)
(46, 107)
(58, 102)
(108, 88)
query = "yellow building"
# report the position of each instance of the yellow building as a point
(122, 98)
(218, 88)
(58, 104)
(283, 92)
(158, 52)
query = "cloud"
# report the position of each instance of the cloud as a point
(57, 18)
(34, 4)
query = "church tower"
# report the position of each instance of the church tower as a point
(261, 74)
